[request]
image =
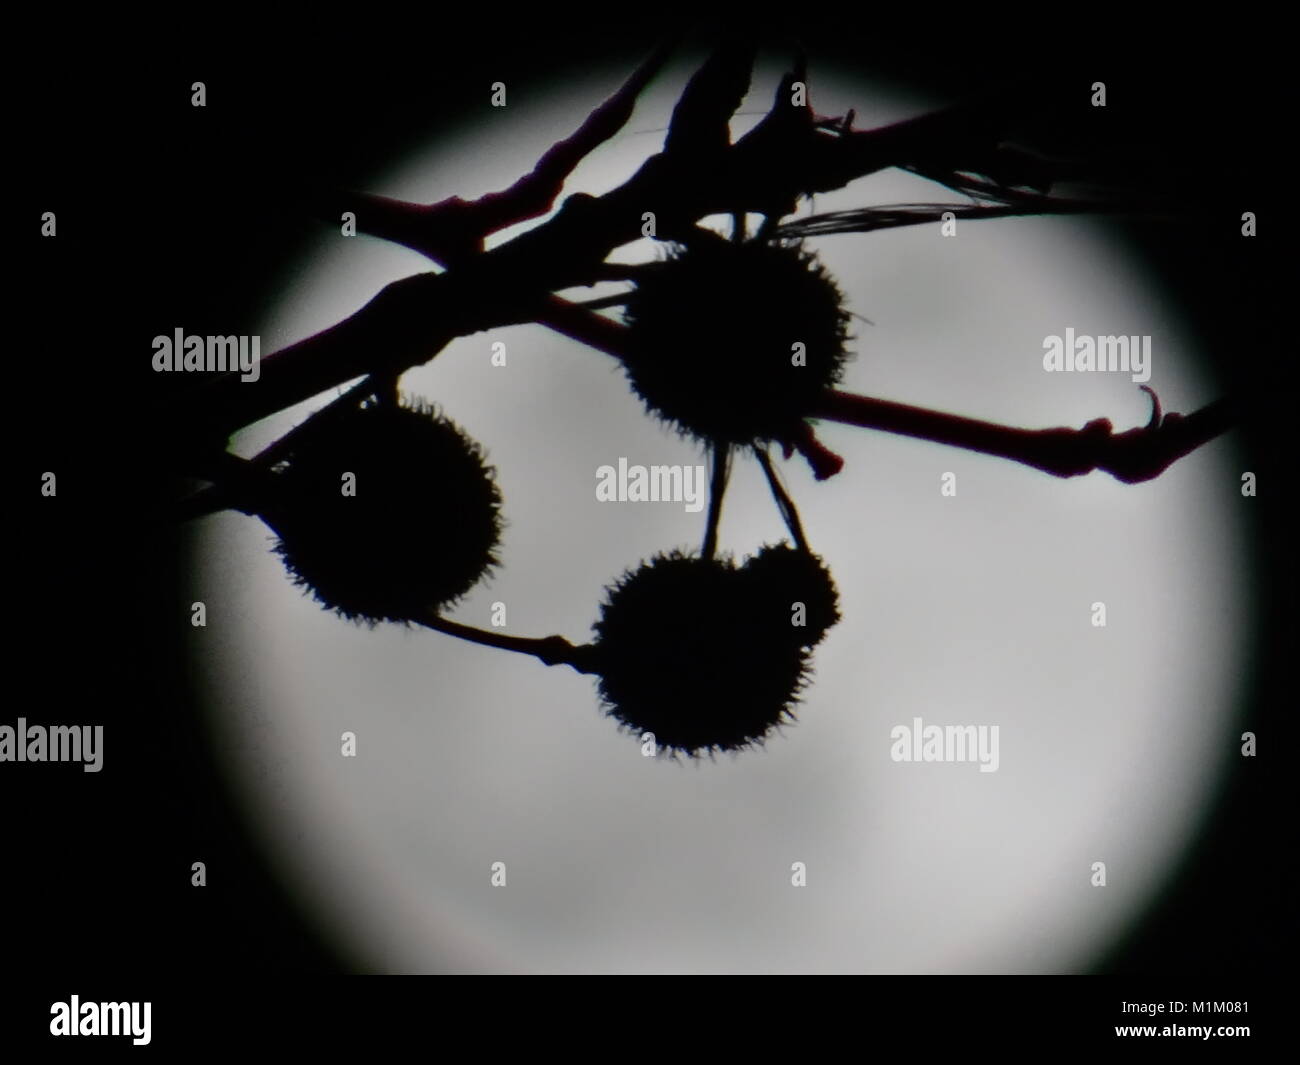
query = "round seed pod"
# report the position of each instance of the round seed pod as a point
(413, 528)
(735, 342)
(682, 657)
(793, 591)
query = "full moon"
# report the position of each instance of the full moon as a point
(494, 819)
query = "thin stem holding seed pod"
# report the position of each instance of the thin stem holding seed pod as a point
(721, 462)
(553, 650)
(783, 501)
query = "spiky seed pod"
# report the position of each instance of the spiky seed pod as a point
(712, 333)
(421, 529)
(682, 656)
(781, 577)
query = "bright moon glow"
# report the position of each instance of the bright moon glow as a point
(974, 609)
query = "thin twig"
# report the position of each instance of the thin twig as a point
(892, 216)
(454, 229)
(783, 501)
(721, 462)
(553, 650)
(237, 484)
(616, 300)
(1135, 455)
(314, 422)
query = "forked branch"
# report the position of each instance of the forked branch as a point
(792, 152)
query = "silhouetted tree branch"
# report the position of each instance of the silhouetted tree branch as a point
(552, 650)
(1136, 455)
(790, 153)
